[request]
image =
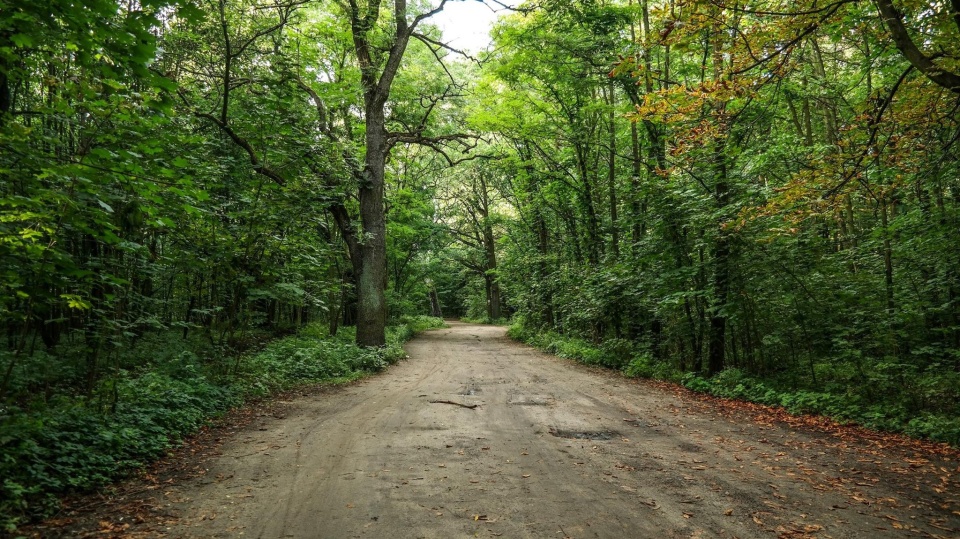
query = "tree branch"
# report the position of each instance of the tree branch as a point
(813, 11)
(427, 15)
(436, 54)
(322, 116)
(258, 167)
(283, 11)
(809, 29)
(955, 4)
(901, 38)
(436, 143)
(342, 217)
(441, 45)
(874, 131)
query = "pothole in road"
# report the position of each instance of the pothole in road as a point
(585, 434)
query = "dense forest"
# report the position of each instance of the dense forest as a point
(206, 201)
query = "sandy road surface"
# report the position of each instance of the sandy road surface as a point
(554, 450)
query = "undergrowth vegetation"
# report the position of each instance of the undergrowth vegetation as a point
(69, 444)
(896, 405)
(485, 320)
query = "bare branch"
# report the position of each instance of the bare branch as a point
(431, 43)
(508, 7)
(427, 15)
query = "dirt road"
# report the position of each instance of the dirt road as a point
(553, 450)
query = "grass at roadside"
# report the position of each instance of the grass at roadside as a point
(486, 320)
(75, 444)
(840, 404)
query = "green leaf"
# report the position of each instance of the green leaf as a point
(22, 40)
(76, 302)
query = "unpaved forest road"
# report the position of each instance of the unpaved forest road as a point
(378, 459)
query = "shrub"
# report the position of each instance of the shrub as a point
(839, 401)
(485, 320)
(643, 365)
(77, 444)
(935, 427)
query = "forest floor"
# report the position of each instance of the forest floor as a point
(551, 449)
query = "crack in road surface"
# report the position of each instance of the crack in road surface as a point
(553, 450)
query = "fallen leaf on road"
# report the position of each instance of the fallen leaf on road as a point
(526, 475)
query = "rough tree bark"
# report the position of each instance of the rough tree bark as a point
(377, 81)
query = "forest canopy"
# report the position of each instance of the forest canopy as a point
(760, 199)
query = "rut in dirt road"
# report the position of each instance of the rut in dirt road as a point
(552, 450)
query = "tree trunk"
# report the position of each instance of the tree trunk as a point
(6, 101)
(435, 303)
(371, 282)
(593, 243)
(490, 253)
(638, 210)
(612, 173)
(887, 254)
(721, 270)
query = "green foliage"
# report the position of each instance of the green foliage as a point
(843, 403)
(644, 366)
(178, 188)
(308, 360)
(764, 225)
(411, 325)
(485, 320)
(613, 354)
(848, 406)
(70, 446)
(74, 444)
